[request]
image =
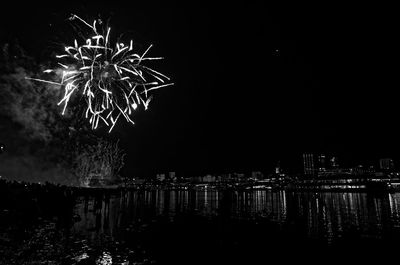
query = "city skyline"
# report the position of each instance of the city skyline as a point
(313, 164)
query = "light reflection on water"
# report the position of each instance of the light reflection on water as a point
(326, 215)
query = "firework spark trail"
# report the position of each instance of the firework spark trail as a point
(112, 80)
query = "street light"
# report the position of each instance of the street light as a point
(2, 148)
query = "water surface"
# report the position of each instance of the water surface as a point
(197, 226)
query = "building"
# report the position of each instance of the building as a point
(386, 164)
(160, 177)
(321, 163)
(309, 164)
(361, 170)
(314, 164)
(208, 178)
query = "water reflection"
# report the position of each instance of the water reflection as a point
(174, 226)
(323, 215)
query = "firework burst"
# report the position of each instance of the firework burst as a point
(112, 78)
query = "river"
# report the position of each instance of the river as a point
(210, 227)
(209, 223)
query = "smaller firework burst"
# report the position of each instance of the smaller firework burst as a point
(112, 78)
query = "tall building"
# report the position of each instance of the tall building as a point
(309, 164)
(386, 164)
(321, 162)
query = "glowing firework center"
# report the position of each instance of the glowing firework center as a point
(112, 78)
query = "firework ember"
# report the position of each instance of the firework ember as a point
(112, 78)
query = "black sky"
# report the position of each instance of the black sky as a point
(254, 84)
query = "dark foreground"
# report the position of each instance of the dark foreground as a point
(46, 224)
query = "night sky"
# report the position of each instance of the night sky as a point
(254, 84)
